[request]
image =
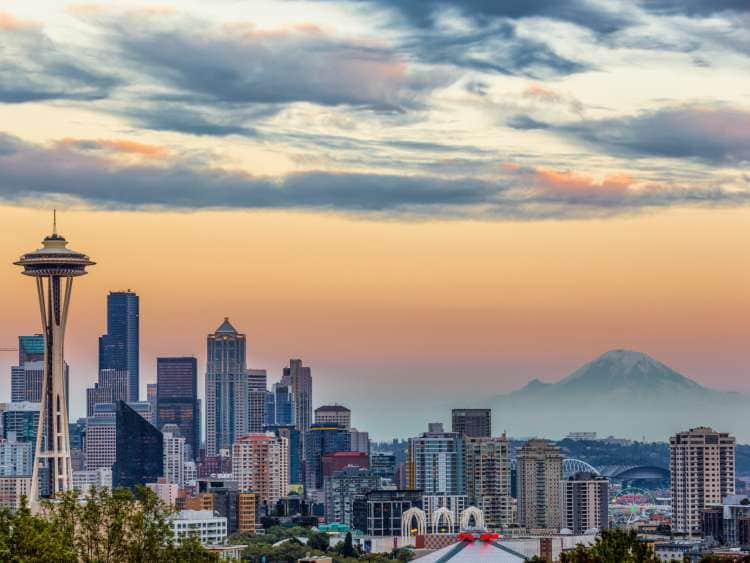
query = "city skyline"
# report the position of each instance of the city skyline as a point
(441, 219)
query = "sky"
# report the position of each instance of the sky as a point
(428, 202)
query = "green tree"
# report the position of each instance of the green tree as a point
(614, 546)
(348, 549)
(318, 541)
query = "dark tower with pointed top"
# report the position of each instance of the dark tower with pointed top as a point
(54, 266)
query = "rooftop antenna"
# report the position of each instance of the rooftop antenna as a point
(54, 221)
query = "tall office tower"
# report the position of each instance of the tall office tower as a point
(299, 379)
(226, 404)
(280, 406)
(260, 465)
(139, 457)
(539, 466)
(113, 386)
(436, 462)
(174, 455)
(342, 487)
(475, 423)
(54, 266)
(702, 468)
(321, 439)
(295, 453)
(338, 415)
(257, 390)
(487, 478)
(177, 399)
(585, 506)
(26, 378)
(120, 348)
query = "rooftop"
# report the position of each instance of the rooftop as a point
(476, 551)
(226, 327)
(338, 408)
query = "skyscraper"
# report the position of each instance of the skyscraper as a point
(539, 466)
(139, 454)
(436, 462)
(113, 385)
(177, 398)
(257, 389)
(120, 349)
(53, 263)
(702, 468)
(280, 406)
(260, 465)
(342, 487)
(26, 378)
(476, 423)
(585, 503)
(299, 379)
(174, 455)
(226, 388)
(487, 470)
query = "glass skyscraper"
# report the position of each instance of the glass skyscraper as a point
(119, 348)
(226, 388)
(177, 398)
(139, 457)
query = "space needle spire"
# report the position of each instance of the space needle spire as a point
(54, 266)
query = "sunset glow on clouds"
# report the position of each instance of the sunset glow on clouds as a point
(541, 118)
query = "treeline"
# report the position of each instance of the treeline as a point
(121, 526)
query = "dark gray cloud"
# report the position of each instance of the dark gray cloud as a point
(695, 8)
(208, 64)
(597, 16)
(32, 173)
(716, 134)
(525, 122)
(494, 48)
(34, 68)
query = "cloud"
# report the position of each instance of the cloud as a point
(71, 171)
(695, 8)
(713, 133)
(33, 67)
(118, 146)
(238, 63)
(596, 16)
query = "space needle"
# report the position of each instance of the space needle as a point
(54, 266)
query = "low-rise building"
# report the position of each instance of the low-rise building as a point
(98, 478)
(203, 524)
(12, 488)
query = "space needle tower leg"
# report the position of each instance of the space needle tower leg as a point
(54, 266)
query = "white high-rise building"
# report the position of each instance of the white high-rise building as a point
(174, 455)
(16, 458)
(487, 470)
(260, 464)
(101, 442)
(203, 524)
(702, 468)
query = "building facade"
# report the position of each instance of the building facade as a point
(335, 415)
(119, 349)
(177, 399)
(320, 440)
(342, 487)
(174, 455)
(139, 449)
(203, 524)
(487, 478)
(436, 462)
(585, 506)
(378, 513)
(260, 465)
(702, 469)
(539, 474)
(299, 379)
(226, 388)
(474, 423)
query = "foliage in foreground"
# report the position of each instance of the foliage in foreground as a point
(119, 526)
(260, 548)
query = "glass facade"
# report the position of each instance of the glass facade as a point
(139, 450)
(119, 348)
(177, 398)
(322, 439)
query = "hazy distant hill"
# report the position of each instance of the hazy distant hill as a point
(624, 393)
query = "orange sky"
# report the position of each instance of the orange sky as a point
(436, 308)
